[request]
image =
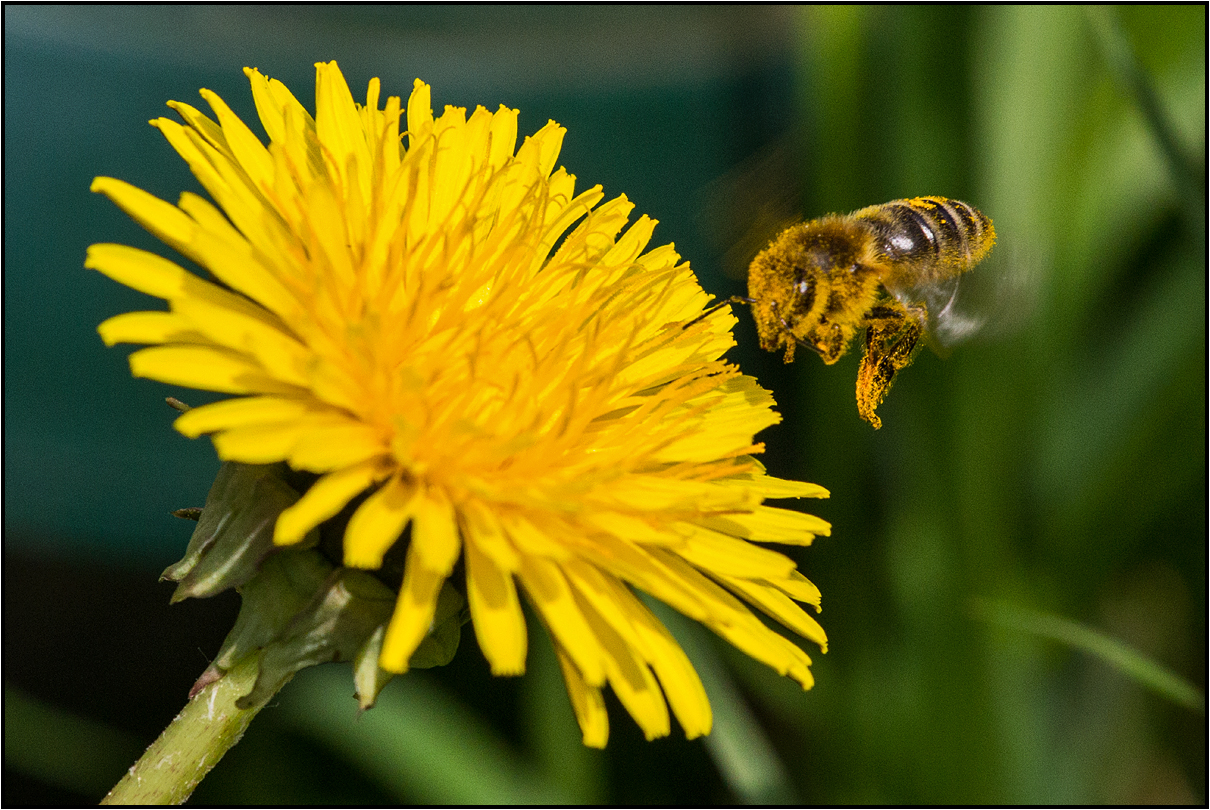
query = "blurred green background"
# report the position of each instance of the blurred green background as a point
(1015, 555)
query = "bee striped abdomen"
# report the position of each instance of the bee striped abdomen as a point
(932, 237)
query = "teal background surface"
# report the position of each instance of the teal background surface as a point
(1051, 470)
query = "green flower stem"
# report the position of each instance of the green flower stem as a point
(193, 743)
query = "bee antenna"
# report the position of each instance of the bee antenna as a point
(735, 299)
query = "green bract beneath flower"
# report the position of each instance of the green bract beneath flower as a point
(415, 307)
(298, 608)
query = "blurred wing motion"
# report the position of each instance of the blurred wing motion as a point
(980, 307)
(745, 208)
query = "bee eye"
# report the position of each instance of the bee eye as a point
(803, 287)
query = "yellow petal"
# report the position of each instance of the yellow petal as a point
(140, 270)
(799, 588)
(272, 98)
(593, 237)
(206, 148)
(452, 166)
(635, 528)
(227, 253)
(680, 680)
(337, 123)
(245, 147)
(728, 617)
(435, 532)
(328, 212)
(197, 121)
(714, 551)
(768, 524)
(259, 444)
(207, 368)
(628, 248)
(542, 148)
(420, 112)
(235, 413)
(325, 498)
(484, 529)
(165, 221)
(601, 591)
(587, 703)
(378, 523)
(552, 598)
(327, 439)
(650, 493)
(267, 108)
(148, 327)
(332, 383)
(647, 637)
(780, 607)
(530, 540)
(413, 613)
(277, 352)
(631, 680)
(499, 624)
(772, 487)
(644, 570)
(759, 642)
(503, 136)
(203, 160)
(340, 443)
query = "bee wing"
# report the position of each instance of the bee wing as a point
(992, 300)
(744, 209)
(948, 322)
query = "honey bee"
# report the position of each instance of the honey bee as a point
(891, 270)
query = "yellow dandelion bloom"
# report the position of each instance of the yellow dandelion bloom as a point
(414, 306)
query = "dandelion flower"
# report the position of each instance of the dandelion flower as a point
(414, 307)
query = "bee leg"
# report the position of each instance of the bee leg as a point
(830, 342)
(892, 335)
(735, 299)
(810, 346)
(830, 351)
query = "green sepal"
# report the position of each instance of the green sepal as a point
(436, 650)
(284, 587)
(369, 678)
(349, 606)
(235, 531)
(298, 608)
(440, 645)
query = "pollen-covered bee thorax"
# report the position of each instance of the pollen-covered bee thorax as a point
(832, 245)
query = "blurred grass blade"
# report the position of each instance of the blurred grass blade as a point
(418, 742)
(1122, 62)
(738, 745)
(1118, 655)
(552, 736)
(63, 749)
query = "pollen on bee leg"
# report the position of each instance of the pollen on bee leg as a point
(891, 340)
(870, 392)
